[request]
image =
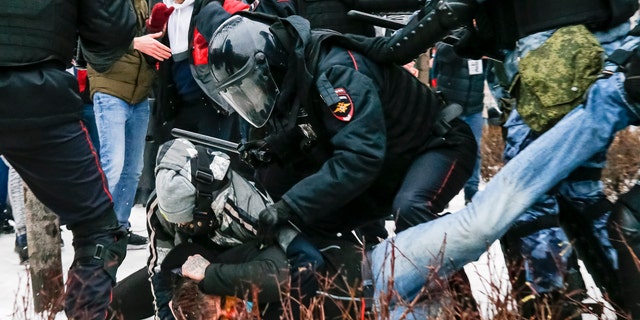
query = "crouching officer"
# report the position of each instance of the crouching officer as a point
(43, 138)
(338, 141)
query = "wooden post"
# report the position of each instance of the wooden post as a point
(45, 262)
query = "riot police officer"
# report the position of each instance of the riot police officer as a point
(44, 139)
(334, 143)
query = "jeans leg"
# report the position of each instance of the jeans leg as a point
(540, 257)
(135, 133)
(111, 119)
(16, 196)
(476, 123)
(466, 234)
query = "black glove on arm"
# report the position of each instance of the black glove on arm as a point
(273, 148)
(270, 220)
(474, 44)
(255, 153)
(478, 39)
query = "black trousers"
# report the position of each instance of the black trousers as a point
(133, 299)
(61, 167)
(435, 177)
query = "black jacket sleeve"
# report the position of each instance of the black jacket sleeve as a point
(241, 269)
(106, 31)
(359, 148)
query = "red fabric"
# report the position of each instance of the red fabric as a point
(233, 6)
(81, 75)
(200, 48)
(159, 17)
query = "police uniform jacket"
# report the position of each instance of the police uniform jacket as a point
(371, 121)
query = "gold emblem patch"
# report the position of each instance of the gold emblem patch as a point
(343, 110)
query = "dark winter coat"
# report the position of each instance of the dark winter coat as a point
(130, 78)
(455, 81)
(46, 43)
(325, 14)
(372, 120)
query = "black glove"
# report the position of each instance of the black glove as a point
(473, 44)
(270, 220)
(478, 39)
(255, 153)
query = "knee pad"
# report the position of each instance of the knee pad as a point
(100, 242)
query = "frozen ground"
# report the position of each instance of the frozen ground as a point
(485, 274)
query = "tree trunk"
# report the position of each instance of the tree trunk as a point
(45, 263)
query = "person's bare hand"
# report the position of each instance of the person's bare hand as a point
(195, 267)
(148, 44)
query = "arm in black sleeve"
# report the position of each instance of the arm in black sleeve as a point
(239, 270)
(106, 31)
(430, 25)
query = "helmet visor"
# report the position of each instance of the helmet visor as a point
(251, 91)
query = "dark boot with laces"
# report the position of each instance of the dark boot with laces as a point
(136, 241)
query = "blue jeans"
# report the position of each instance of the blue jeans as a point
(122, 129)
(475, 122)
(460, 238)
(547, 252)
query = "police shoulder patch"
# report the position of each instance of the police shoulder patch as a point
(343, 110)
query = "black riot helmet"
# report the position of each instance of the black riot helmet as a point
(243, 55)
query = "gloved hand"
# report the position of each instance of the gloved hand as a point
(473, 44)
(478, 39)
(270, 220)
(255, 153)
(159, 17)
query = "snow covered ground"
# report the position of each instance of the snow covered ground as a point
(486, 274)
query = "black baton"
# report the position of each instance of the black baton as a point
(206, 140)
